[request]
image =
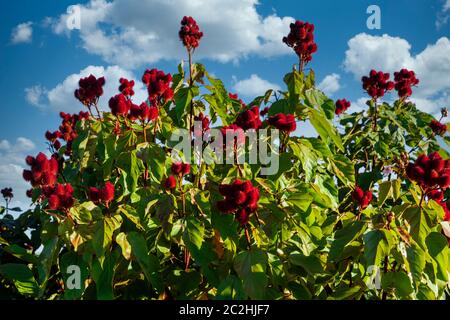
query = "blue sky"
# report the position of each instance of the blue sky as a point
(242, 46)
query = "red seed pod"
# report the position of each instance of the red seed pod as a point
(94, 194)
(241, 198)
(90, 89)
(171, 183)
(301, 40)
(377, 84)
(107, 193)
(283, 122)
(190, 33)
(242, 216)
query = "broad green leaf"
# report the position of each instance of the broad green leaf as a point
(281, 106)
(122, 241)
(301, 201)
(438, 249)
(347, 293)
(147, 261)
(194, 232)
(131, 170)
(324, 128)
(343, 237)
(104, 234)
(384, 192)
(311, 263)
(343, 168)
(418, 224)
(377, 245)
(251, 268)
(21, 276)
(399, 282)
(69, 263)
(231, 289)
(103, 270)
(416, 262)
(304, 152)
(183, 101)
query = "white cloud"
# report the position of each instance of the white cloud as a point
(330, 84)
(443, 15)
(22, 33)
(4, 145)
(134, 32)
(358, 105)
(12, 164)
(254, 86)
(61, 97)
(390, 54)
(34, 95)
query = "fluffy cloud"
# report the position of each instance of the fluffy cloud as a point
(330, 84)
(253, 86)
(390, 54)
(22, 33)
(12, 164)
(34, 95)
(443, 15)
(133, 32)
(61, 97)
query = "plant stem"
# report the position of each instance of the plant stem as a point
(375, 116)
(98, 112)
(386, 264)
(247, 237)
(144, 131)
(191, 112)
(422, 196)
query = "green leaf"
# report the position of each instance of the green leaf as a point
(301, 201)
(21, 276)
(324, 128)
(377, 245)
(399, 281)
(104, 234)
(73, 259)
(438, 249)
(131, 170)
(343, 237)
(294, 81)
(302, 149)
(132, 215)
(343, 168)
(251, 268)
(416, 262)
(21, 253)
(231, 289)
(347, 293)
(103, 270)
(194, 232)
(315, 97)
(121, 240)
(281, 106)
(310, 263)
(384, 192)
(419, 224)
(147, 261)
(183, 100)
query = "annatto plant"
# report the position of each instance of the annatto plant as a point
(358, 212)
